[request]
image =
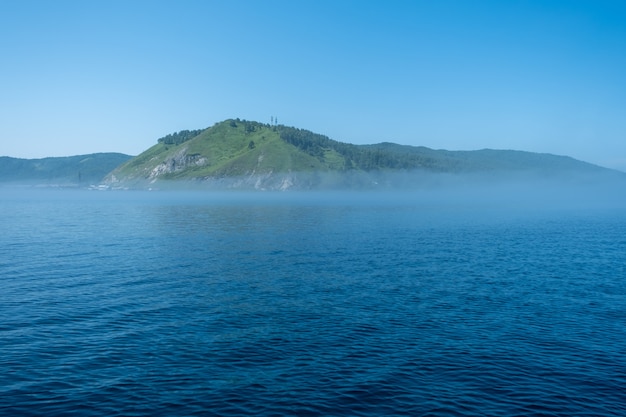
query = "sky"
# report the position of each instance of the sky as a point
(80, 77)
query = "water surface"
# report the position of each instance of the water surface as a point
(120, 303)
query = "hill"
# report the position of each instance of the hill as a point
(80, 170)
(245, 154)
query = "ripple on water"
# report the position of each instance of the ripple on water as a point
(293, 309)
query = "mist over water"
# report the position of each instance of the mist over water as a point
(457, 298)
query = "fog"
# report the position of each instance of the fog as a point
(519, 191)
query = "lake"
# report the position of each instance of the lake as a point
(457, 303)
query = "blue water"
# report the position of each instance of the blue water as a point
(121, 303)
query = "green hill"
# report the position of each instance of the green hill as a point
(80, 170)
(244, 154)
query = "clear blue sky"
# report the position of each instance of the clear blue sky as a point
(96, 76)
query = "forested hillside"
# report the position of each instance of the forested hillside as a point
(70, 170)
(240, 153)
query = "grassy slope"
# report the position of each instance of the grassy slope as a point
(141, 163)
(241, 148)
(227, 150)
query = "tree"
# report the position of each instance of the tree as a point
(179, 137)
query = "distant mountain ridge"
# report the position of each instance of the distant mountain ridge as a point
(79, 170)
(494, 159)
(246, 154)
